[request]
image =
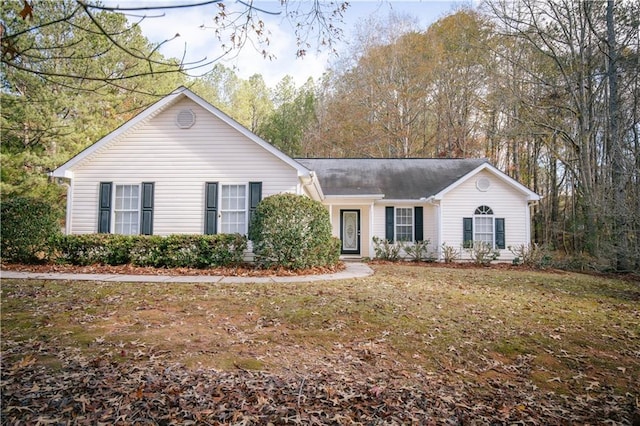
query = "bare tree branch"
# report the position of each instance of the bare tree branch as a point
(87, 26)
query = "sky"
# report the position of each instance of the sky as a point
(201, 43)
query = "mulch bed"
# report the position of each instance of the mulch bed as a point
(248, 270)
(238, 271)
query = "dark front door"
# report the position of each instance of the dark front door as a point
(350, 231)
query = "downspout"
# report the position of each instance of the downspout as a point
(66, 182)
(371, 222)
(528, 208)
(440, 242)
(68, 216)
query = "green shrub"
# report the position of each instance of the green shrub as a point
(173, 251)
(329, 254)
(482, 253)
(89, 249)
(418, 251)
(148, 250)
(201, 251)
(222, 250)
(449, 253)
(188, 251)
(532, 255)
(28, 225)
(385, 249)
(180, 251)
(292, 231)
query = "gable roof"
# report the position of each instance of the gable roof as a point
(529, 194)
(396, 178)
(65, 170)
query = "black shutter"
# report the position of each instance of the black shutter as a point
(255, 195)
(146, 213)
(467, 232)
(104, 208)
(389, 222)
(500, 233)
(418, 220)
(211, 208)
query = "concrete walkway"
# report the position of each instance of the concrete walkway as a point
(353, 270)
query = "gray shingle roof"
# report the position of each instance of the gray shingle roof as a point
(396, 178)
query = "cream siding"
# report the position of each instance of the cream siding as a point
(378, 225)
(429, 221)
(431, 227)
(505, 201)
(179, 161)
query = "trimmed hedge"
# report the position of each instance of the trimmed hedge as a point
(294, 232)
(89, 249)
(173, 251)
(28, 225)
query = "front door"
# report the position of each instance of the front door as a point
(350, 231)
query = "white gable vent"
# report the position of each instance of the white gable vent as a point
(483, 184)
(185, 118)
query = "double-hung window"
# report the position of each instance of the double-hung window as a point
(233, 209)
(404, 224)
(229, 207)
(483, 225)
(485, 228)
(127, 210)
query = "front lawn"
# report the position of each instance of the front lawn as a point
(422, 344)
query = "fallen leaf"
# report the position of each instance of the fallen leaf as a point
(27, 11)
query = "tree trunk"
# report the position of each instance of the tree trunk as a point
(618, 198)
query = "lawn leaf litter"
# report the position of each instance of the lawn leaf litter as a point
(87, 391)
(420, 346)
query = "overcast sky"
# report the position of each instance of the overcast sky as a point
(201, 43)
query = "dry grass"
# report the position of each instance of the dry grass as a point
(572, 334)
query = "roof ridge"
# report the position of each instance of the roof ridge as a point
(390, 158)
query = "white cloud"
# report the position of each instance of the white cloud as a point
(198, 40)
(282, 48)
(196, 43)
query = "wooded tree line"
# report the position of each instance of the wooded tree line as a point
(548, 90)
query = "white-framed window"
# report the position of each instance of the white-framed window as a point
(404, 224)
(127, 210)
(233, 209)
(483, 229)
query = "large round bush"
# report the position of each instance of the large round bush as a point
(28, 226)
(294, 232)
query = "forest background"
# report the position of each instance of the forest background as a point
(548, 91)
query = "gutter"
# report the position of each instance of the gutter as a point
(311, 181)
